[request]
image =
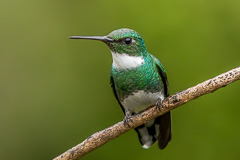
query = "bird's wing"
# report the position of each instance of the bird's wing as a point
(165, 120)
(115, 93)
(163, 75)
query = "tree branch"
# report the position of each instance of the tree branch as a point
(100, 138)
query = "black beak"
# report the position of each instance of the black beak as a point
(99, 38)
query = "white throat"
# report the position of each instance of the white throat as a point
(124, 61)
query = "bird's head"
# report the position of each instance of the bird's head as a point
(121, 41)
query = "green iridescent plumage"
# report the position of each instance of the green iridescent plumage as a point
(145, 77)
(137, 48)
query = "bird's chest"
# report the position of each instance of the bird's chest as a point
(140, 100)
(137, 87)
(143, 80)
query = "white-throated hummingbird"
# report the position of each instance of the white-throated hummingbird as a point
(138, 80)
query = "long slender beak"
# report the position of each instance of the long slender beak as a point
(99, 38)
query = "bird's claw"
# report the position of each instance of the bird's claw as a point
(159, 104)
(126, 120)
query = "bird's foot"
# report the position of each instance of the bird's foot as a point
(159, 104)
(127, 118)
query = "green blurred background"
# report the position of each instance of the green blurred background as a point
(55, 92)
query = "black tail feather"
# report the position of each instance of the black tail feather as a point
(161, 126)
(165, 134)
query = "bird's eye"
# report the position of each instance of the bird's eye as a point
(128, 40)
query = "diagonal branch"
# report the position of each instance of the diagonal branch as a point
(100, 138)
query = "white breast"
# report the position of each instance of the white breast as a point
(141, 100)
(124, 61)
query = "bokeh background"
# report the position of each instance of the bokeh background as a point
(55, 92)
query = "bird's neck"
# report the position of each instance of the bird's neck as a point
(125, 61)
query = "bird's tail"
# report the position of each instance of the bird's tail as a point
(158, 129)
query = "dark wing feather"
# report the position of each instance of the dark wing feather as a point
(115, 93)
(165, 134)
(163, 75)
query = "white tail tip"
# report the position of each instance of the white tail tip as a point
(146, 146)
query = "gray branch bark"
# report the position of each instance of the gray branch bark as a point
(100, 138)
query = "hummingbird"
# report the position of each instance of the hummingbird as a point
(138, 80)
